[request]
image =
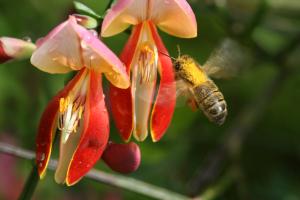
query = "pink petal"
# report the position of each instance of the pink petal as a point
(101, 58)
(173, 16)
(71, 47)
(59, 51)
(122, 15)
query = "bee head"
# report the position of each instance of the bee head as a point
(180, 62)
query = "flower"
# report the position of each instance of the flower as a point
(79, 110)
(144, 56)
(12, 48)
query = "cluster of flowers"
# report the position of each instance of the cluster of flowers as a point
(79, 112)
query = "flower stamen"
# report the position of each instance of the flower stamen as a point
(147, 63)
(71, 109)
(70, 114)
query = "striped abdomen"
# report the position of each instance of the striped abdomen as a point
(211, 101)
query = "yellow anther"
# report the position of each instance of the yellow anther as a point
(146, 50)
(62, 105)
(80, 112)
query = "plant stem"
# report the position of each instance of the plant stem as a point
(124, 182)
(109, 5)
(30, 185)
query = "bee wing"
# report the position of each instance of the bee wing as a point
(227, 60)
(182, 89)
(184, 95)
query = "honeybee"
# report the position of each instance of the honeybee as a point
(193, 80)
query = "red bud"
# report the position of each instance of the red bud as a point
(12, 48)
(123, 158)
(3, 56)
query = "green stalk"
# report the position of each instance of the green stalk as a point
(109, 5)
(30, 185)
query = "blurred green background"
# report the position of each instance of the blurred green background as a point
(254, 155)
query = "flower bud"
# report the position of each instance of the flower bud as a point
(123, 158)
(11, 48)
(86, 21)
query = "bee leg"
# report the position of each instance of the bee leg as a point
(191, 102)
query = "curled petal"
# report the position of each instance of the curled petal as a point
(95, 132)
(71, 47)
(123, 158)
(12, 48)
(173, 16)
(166, 98)
(47, 127)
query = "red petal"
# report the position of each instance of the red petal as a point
(166, 98)
(47, 127)
(121, 100)
(94, 136)
(123, 158)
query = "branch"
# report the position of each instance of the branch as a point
(115, 180)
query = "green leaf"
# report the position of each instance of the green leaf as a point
(86, 21)
(83, 9)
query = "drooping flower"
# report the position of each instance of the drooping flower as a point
(12, 48)
(144, 57)
(78, 111)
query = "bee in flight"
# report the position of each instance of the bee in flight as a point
(193, 80)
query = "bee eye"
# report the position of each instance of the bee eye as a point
(177, 65)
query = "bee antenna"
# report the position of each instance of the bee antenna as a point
(167, 55)
(178, 49)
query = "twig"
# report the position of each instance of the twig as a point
(109, 4)
(30, 185)
(219, 188)
(120, 181)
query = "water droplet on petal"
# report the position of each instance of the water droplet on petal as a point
(40, 156)
(87, 38)
(94, 33)
(83, 44)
